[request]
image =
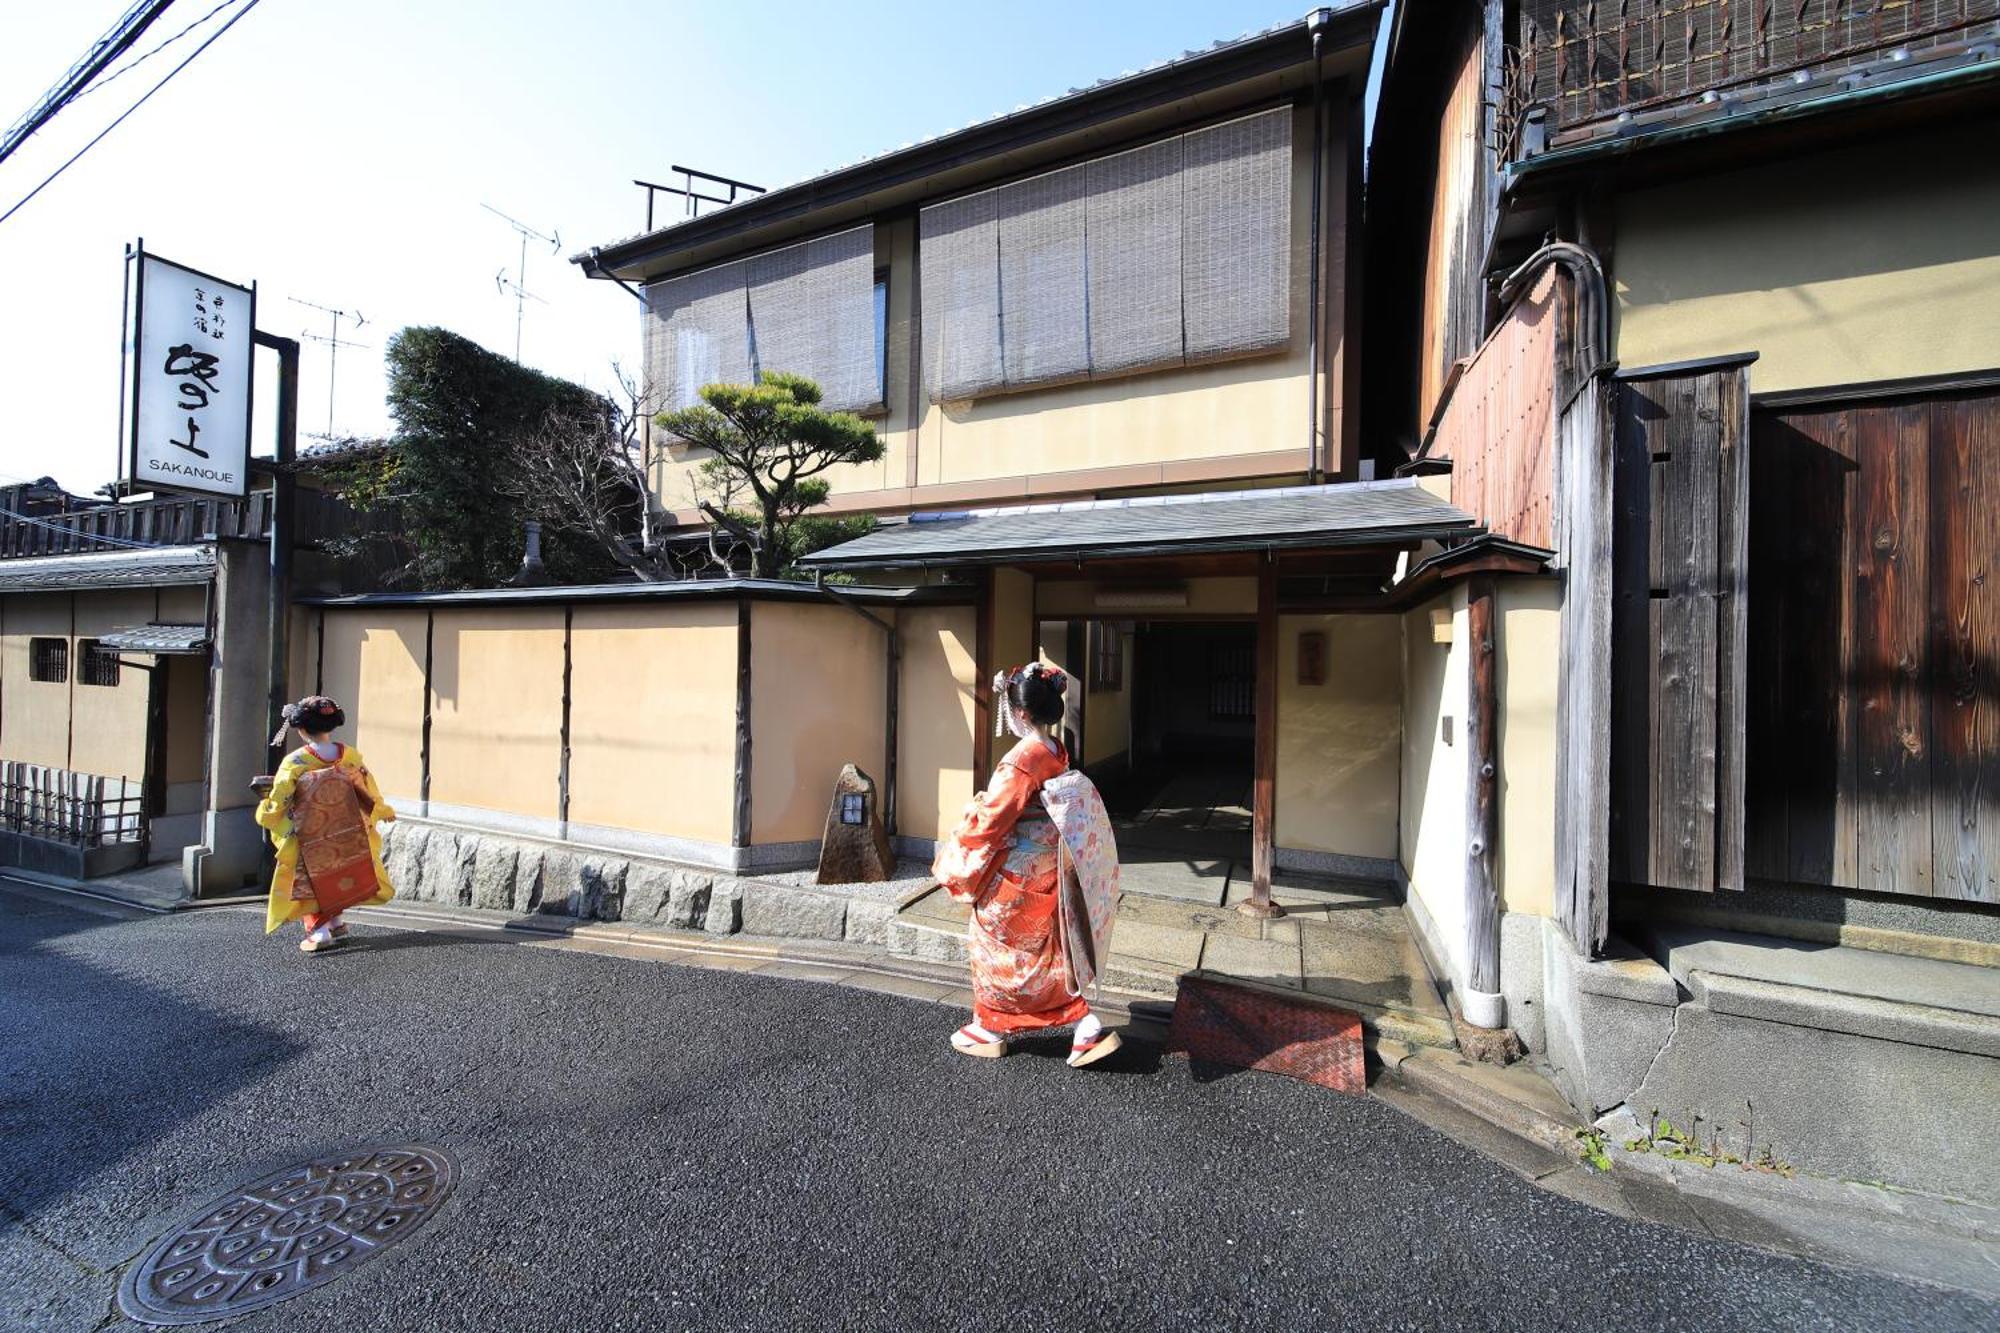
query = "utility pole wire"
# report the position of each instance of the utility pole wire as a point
(137, 61)
(192, 56)
(70, 86)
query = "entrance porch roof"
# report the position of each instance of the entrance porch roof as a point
(1397, 512)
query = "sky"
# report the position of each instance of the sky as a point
(341, 152)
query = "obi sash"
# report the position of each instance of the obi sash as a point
(1087, 889)
(329, 821)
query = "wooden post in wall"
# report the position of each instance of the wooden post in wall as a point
(1482, 756)
(1264, 785)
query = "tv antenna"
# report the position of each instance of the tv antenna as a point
(334, 342)
(518, 283)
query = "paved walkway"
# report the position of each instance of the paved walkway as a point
(654, 1146)
(1345, 942)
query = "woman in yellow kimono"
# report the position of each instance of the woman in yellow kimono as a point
(1003, 859)
(322, 810)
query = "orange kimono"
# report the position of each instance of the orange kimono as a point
(1002, 859)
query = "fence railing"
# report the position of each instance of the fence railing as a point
(1584, 60)
(175, 522)
(81, 809)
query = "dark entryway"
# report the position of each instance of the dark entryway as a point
(1182, 799)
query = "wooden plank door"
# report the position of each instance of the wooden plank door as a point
(1679, 632)
(1965, 648)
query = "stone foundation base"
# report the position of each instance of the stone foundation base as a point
(459, 867)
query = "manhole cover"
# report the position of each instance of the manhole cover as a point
(287, 1233)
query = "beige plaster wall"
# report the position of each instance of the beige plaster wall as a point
(108, 726)
(374, 666)
(1107, 714)
(187, 717)
(34, 715)
(1431, 843)
(818, 700)
(653, 718)
(1862, 263)
(183, 606)
(934, 731)
(1207, 596)
(1218, 411)
(496, 709)
(1340, 743)
(1529, 651)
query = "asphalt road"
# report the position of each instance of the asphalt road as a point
(649, 1146)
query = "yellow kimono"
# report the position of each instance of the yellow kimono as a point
(274, 813)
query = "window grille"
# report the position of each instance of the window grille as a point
(48, 660)
(95, 665)
(1107, 656)
(1232, 682)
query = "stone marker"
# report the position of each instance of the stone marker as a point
(855, 849)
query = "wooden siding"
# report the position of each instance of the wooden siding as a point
(1454, 295)
(1680, 491)
(1498, 427)
(1875, 742)
(1585, 683)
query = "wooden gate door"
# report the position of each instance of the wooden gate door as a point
(1680, 488)
(1874, 748)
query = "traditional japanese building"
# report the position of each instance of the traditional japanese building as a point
(1699, 295)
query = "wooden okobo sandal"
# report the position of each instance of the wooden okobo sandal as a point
(1089, 1052)
(968, 1041)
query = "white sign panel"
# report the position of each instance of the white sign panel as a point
(191, 381)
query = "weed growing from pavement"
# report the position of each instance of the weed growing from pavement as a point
(1591, 1145)
(1676, 1143)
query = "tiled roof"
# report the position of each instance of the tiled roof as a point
(1344, 514)
(159, 567)
(156, 638)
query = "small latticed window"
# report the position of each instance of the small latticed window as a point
(95, 665)
(1232, 682)
(48, 659)
(1107, 656)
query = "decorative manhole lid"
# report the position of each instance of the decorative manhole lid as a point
(287, 1233)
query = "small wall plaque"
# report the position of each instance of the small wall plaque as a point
(1312, 657)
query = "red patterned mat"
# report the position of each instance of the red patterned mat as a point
(1277, 1034)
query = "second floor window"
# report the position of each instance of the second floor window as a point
(48, 660)
(809, 309)
(95, 665)
(1174, 253)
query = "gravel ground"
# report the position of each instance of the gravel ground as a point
(648, 1146)
(906, 876)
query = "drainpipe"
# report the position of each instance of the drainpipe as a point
(1316, 24)
(1593, 316)
(895, 687)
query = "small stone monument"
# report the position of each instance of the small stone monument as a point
(855, 849)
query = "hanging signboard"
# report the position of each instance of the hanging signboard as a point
(191, 380)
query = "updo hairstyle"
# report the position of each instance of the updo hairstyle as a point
(1037, 693)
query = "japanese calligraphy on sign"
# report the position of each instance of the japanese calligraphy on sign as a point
(191, 381)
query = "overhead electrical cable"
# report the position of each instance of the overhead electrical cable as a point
(94, 62)
(139, 60)
(189, 60)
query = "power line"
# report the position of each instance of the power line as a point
(137, 61)
(192, 56)
(94, 62)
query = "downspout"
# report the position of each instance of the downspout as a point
(1316, 24)
(1593, 316)
(895, 688)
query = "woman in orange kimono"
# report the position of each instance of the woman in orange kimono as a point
(321, 811)
(1003, 859)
